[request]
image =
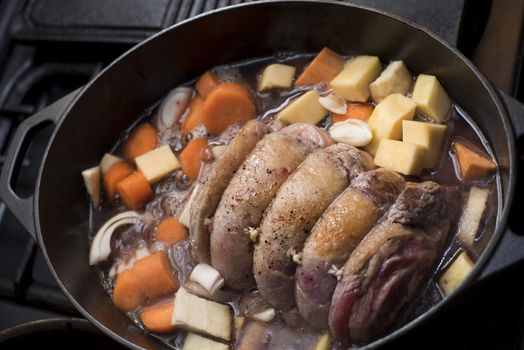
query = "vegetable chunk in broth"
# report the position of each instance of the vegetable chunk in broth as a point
(295, 201)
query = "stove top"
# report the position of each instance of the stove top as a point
(50, 48)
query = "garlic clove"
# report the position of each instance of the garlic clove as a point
(353, 132)
(207, 277)
(265, 316)
(333, 103)
(101, 242)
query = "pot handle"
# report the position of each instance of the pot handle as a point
(510, 249)
(22, 208)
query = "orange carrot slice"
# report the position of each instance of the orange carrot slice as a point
(157, 318)
(473, 164)
(114, 175)
(134, 190)
(191, 157)
(127, 294)
(360, 111)
(324, 67)
(194, 115)
(154, 275)
(171, 231)
(207, 82)
(141, 140)
(227, 104)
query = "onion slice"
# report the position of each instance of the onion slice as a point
(173, 107)
(101, 245)
(207, 277)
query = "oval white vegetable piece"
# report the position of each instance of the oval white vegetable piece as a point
(207, 277)
(100, 246)
(333, 103)
(265, 316)
(472, 215)
(172, 107)
(353, 132)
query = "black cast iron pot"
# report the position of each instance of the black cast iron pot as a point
(88, 122)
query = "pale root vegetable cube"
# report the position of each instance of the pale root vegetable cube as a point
(218, 151)
(276, 76)
(395, 79)
(196, 342)
(473, 163)
(431, 98)
(184, 218)
(405, 158)
(304, 109)
(324, 342)
(92, 182)
(200, 315)
(157, 163)
(456, 273)
(425, 134)
(386, 119)
(352, 83)
(107, 162)
(472, 215)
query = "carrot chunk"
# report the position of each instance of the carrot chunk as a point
(191, 157)
(324, 67)
(194, 115)
(473, 164)
(127, 294)
(157, 318)
(134, 190)
(227, 104)
(171, 231)
(141, 140)
(114, 175)
(207, 82)
(360, 111)
(154, 275)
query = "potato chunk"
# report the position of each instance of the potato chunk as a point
(472, 215)
(395, 79)
(304, 109)
(157, 163)
(353, 82)
(92, 182)
(196, 342)
(405, 158)
(276, 76)
(425, 134)
(386, 119)
(431, 98)
(203, 316)
(456, 273)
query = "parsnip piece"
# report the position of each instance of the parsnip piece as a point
(92, 181)
(405, 158)
(456, 273)
(425, 134)
(472, 215)
(305, 109)
(202, 316)
(353, 81)
(324, 342)
(196, 342)
(185, 216)
(218, 151)
(107, 161)
(158, 163)
(276, 76)
(395, 79)
(386, 120)
(431, 98)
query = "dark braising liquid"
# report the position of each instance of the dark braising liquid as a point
(287, 331)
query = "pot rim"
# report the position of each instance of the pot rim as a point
(407, 327)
